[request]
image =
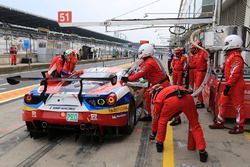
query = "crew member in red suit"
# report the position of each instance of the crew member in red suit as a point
(168, 102)
(201, 58)
(13, 53)
(178, 65)
(63, 65)
(234, 87)
(191, 69)
(152, 70)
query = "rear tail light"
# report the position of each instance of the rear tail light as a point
(27, 98)
(111, 99)
(103, 101)
(32, 99)
(63, 114)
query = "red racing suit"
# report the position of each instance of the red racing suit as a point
(201, 68)
(56, 67)
(166, 108)
(13, 58)
(154, 74)
(233, 72)
(178, 66)
(191, 67)
(70, 64)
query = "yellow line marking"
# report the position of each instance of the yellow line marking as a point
(124, 65)
(168, 153)
(14, 94)
(247, 135)
(18, 89)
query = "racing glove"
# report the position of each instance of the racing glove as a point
(124, 79)
(152, 136)
(226, 90)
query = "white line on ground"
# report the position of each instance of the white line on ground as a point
(4, 84)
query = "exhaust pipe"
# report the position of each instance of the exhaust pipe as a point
(83, 127)
(44, 125)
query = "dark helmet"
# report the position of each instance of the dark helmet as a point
(155, 90)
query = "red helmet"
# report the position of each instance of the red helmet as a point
(178, 51)
(155, 90)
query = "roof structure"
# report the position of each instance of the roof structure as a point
(17, 17)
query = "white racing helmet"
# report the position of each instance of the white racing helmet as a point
(232, 42)
(145, 50)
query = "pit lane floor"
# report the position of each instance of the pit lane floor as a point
(18, 149)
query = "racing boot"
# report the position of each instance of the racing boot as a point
(217, 125)
(146, 118)
(175, 122)
(203, 155)
(152, 136)
(236, 130)
(159, 147)
(200, 105)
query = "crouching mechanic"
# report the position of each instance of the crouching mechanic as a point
(153, 71)
(63, 65)
(169, 102)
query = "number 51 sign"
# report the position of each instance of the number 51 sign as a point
(64, 17)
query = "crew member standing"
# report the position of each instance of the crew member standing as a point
(13, 53)
(178, 65)
(153, 71)
(169, 57)
(191, 69)
(171, 101)
(234, 87)
(201, 58)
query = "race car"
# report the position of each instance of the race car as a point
(91, 104)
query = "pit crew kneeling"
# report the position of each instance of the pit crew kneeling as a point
(169, 102)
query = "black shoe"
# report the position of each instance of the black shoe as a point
(200, 105)
(175, 122)
(203, 156)
(152, 136)
(236, 130)
(146, 118)
(159, 147)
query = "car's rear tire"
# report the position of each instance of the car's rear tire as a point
(34, 133)
(128, 129)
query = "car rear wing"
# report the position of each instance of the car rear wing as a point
(44, 81)
(17, 79)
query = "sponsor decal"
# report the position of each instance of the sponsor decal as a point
(93, 117)
(247, 92)
(119, 116)
(62, 108)
(33, 114)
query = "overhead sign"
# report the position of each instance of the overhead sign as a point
(26, 43)
(64, 17)
(143, 41)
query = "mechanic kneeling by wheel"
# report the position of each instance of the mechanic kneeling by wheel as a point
(169, 102)
(152, 71)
